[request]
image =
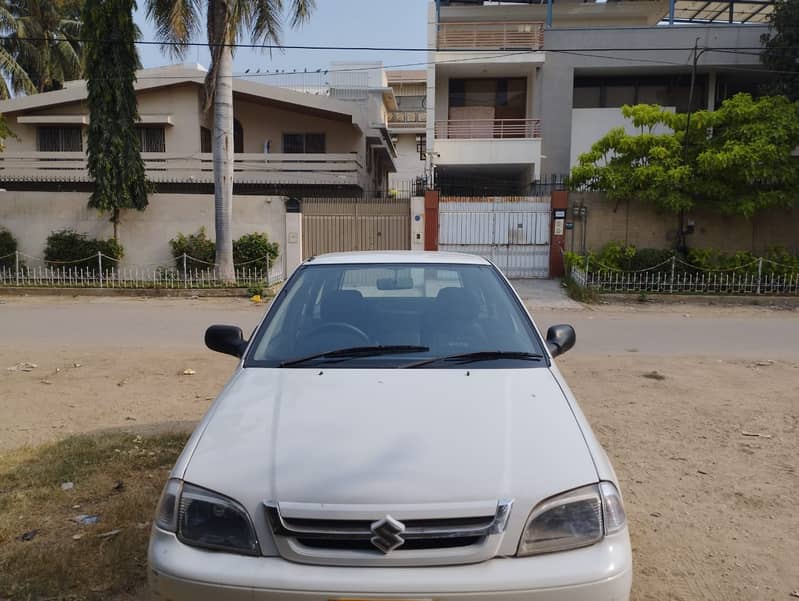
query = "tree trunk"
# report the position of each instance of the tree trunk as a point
(115, 220)
(223, 158)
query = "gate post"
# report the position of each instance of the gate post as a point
(557, 243)
(431, 200)
(293, 252)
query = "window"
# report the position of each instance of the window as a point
(445, 309)
(206, 144)
(152, 139)
(504, 98)
(59, 139)
(304, 143)
(411, 103)
(421, 145)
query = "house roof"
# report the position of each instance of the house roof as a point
(160, 77)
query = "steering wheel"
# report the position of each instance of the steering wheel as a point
(340, 326)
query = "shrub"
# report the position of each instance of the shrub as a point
(255, 250)
(72, 249)
(197, 246)
(646, 258)
(616, 255)
(8, 246)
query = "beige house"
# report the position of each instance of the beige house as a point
(408, 127)
(287, 144)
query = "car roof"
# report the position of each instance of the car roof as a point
(407, 256)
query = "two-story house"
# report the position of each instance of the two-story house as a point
(287, 144)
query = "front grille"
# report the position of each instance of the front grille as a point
(410, 545)
(367, 536)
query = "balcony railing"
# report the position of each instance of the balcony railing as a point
(491, 36)
(488, 129)
(254, 168)
(398, 119)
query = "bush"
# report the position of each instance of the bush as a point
(196, 246)
(255, 250)
(8, 246)
(72, 249)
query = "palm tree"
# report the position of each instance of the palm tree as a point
(177, 22)
(41, 47)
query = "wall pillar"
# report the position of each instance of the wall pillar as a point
(431, 199)
(293, 252)
(417, 223)
(557, 239)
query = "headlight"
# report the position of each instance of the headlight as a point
(206, 519)
(578, 518)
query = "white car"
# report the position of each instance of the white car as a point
(396, 429)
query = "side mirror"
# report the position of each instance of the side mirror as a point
(560, 339)
(226, 339)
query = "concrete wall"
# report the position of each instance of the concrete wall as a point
(409, 165)
(559, 69)
(181, 103)
(32, 216)
(640, 224)
(589, 125)
(261, 123)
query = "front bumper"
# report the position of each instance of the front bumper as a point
(602, 572)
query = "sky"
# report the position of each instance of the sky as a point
(383, 23)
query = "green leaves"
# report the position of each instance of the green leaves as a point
(781, 49)
(114, 159)
(737, 160)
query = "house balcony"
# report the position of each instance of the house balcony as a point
(407, 120)
(488, 142)
(488, 129)
(163, 168)
(487, 35)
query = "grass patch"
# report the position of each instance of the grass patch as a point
(117, 477)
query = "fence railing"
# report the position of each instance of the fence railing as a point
(488, 129)
(409, 119)
(163, 167)
(102, 271)
(674, 276)
(491, 36)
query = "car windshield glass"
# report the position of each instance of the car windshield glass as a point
(393, 315)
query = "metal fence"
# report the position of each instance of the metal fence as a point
(102, 271)
(674, 276)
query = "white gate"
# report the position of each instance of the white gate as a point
(512, 232)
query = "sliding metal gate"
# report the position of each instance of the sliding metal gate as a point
(345, 224)
(512, 232)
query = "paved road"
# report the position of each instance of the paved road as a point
(179, 324)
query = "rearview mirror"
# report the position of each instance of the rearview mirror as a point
(560, 339)
(398, 283)
(226, 339)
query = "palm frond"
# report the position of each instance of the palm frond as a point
(176, 23)
(13, 71)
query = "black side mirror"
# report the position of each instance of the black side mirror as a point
(560, 339)
(226, 339)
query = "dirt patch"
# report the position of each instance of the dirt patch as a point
(708, 461)
(707, 456)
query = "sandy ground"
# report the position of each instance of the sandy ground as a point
(707, 456)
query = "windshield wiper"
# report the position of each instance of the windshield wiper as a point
(357, 351)
(464, 358)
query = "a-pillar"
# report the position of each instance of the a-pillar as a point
(431, 220)
(293, 251)
(557, 241)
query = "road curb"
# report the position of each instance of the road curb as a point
(132, 292)
(703, 299)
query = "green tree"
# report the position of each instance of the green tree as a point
(228, 21)
(736, 160)
(781, 49)
(41, 47)
(114, 146)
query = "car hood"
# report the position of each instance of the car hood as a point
(343, 436)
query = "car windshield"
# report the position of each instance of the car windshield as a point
(396, 315)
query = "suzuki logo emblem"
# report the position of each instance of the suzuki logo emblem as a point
(387, 534)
